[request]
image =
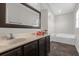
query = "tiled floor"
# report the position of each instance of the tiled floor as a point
(60, 49)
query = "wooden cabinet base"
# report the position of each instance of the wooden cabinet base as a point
(40, 47)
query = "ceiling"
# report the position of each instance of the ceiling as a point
(55, 8)
(61, 8)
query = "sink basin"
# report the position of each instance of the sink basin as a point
(13, 41)
(18, 39)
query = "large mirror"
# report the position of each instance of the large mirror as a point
(21, 15)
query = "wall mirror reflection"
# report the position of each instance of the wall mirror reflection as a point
(20, 15)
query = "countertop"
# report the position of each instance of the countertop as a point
(10, 44)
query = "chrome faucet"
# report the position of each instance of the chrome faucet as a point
(11, 36)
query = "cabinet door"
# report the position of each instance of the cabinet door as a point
(42, 47)
(2, 13)
(15, 52)
(47, 43)
(31, 49)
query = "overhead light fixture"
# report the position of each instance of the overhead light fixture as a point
(60, 11)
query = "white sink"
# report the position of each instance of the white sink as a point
(18, 39)
(15, 41)
(12, 41)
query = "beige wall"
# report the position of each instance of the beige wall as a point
(65, 23)
(51, 23)
(44, 19)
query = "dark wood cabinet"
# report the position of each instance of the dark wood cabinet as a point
(40, 47)
(31, 49)
(47, 44)
(44, 46)
(14, 52)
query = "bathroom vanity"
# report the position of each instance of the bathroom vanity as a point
(22, 15)
(35, 46)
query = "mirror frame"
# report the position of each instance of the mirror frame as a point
(3, 15)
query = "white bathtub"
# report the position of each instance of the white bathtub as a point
(63, 38)
(69, 36)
